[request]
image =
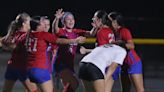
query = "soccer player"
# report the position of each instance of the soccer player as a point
(132, 64)
(16, 65)
(93, 66)
(104, 35)
(36, 44)
(64, 64)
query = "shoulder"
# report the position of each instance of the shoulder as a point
(107, 29)
(78, 30)
(124, 29)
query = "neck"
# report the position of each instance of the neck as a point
(105, 26)
(68, 29)
(23, 29)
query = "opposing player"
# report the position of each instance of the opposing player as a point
(104, 35)
(132, 64)
(93, 66)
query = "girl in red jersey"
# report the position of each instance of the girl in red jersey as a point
(132, 64)
(64, 64)
(16, 65)
(104, 36)
(51, 49)
(36, 44)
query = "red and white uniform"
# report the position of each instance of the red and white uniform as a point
(37, 49)
(104, 36)
(66, 53)
(17, 60)
(125, 35)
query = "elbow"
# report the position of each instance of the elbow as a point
(132, 46)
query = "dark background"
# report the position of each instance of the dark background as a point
(145, 18)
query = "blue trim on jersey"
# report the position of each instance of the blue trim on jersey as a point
(132, 57)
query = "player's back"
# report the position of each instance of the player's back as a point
(104, 36)
(103, 56)
(37, 45)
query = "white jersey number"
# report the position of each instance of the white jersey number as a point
(32, 44)
(111, 36)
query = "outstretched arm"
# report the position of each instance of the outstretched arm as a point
(7, 43)
(83, 50)
(70, 41)
(55, 24)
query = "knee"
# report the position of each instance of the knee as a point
(141, 90)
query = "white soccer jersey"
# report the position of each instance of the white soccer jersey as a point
(103, 56)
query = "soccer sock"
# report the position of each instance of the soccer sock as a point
(65, 88)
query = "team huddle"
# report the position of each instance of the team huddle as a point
(38, 54)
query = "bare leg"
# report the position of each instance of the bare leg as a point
(69, 81)
(99, 85)
(109, 85)
(95, 86)
(8, 85)
(108, 78)
(138, 82)
(30, 86)
(47, 86)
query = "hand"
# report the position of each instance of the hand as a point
(8, 40)
(59, 13)
(83, 50)
(80, 39)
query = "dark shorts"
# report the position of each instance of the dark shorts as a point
(90, 72)
(15, 74)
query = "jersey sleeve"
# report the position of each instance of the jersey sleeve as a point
(105, 37)
(48, 37)
(61, 32)
(80, 32)
(126, 35)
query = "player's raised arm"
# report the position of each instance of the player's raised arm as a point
(55, 24)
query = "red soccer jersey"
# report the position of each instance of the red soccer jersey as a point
(19, 53)
(125, 35)
(104, 36)
(37, 45)
(75, 33)
(70, 35)
(66, 53)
